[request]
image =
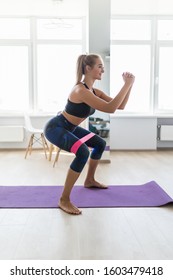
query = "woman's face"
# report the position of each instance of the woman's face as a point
(97, 70)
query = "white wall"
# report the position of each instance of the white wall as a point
(37, 122)
(133, 133)
(99, 24)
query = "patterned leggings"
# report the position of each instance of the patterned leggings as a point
(63, 134)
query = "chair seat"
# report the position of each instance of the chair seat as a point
(36, 130)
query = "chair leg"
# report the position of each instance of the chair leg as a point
(31, 143)
(29, 148)
(41, 140)
(56, 158)
(45, 141)
(45, 146)
(50, 151)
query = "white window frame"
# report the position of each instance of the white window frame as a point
(32, 53)
(155, 45)
(159, 44)
(36, 42)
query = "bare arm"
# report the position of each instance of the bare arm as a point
(108, 104)
(123, 104)
(107, 98)
(102, 95)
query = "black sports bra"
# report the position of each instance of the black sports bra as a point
(80, 110)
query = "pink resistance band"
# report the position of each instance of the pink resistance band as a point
(79, 142)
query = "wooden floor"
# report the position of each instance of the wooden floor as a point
(118, 233)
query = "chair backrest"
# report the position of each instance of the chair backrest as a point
(28, 124)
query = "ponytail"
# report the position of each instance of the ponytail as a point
(80, 68)
(82, 61)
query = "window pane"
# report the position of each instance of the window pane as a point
(14, 78)
(165, 30)
(59, 28)
(165, 93)
(14, 28)
(56, 75)
(130, 29)
(135, 59)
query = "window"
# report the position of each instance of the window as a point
(14, 82)
(131, 51)
(55, 75)
(123, 57)
(14, 28)
(165, 29)
(58, 28)
(165, 87)
(58, 46)
(143, 46)
(165, 60)
(125, 29)
(37, 62)
(14, 63)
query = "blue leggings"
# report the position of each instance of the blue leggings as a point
(63, 134)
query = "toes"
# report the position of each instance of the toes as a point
(77, 209)
(70, 209)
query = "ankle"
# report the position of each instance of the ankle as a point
(89, 180)
(64, 199)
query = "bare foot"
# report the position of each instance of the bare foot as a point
(94, 184)
(68, 207)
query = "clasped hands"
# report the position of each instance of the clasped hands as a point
(128, 77)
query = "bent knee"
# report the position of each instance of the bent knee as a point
(98, 148)
(80, 159)
(83, 152)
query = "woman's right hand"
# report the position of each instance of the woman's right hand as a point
(128, 78)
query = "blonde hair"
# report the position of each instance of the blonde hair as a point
(82, 61)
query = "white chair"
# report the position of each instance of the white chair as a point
(37, 136)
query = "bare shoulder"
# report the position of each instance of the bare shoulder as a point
(79, 87)
(79, 90)
(77, 93)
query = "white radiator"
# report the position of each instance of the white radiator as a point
(166, 133)
(11, 134)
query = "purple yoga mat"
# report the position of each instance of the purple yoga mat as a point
(146, 195)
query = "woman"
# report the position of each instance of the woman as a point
(64, 130)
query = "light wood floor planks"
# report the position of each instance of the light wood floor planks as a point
(118, 233)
